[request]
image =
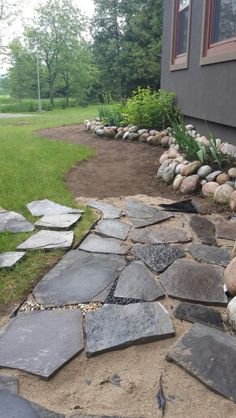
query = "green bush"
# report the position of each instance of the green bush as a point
(111, 114)
(150, 109)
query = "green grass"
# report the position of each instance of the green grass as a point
(33, 168)
(11, 105)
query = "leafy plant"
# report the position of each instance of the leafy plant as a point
(111, 114)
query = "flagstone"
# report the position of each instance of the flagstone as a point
(48, 207)
(196, 282)
(79, 277)
(113, 229)
(209, 254)
(14, 222)
(137, 282)
(108, 211)
(141, 214)
(184, 206)
(46, 240)
(96, 244)
(116, 327)
(227, 230)
(209, 355)
(9, 259)
(159, 235)
(204, 229)
(157, 256)
(199, 313)
(41, 342)
(9, 384)
(64, 221)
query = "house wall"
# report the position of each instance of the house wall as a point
(203, 92)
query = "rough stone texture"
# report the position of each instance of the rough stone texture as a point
(183, 206)
(79, 277)
(46, 240)
(9, 384)
(232, 202)
(168, 173)
(190, 184)
(115, 327)
(223, 193)
(228, 149)
(142, 215)
(177, 182)
(209, 355)
(48, 207)
(64, 221)
(41, 342)
(209, 189)
(108, 211)
(158, 235)
(96, 416)
(191, 168)
(232, 173)
(14, 222)
(96, 244)
(231, 312)
(227, 230)
(157, 256)
(204, 229)
(212, 176)
(113, 229)
(136, 282)
(204, 171)
(222, 178)
(191, 281)
(230, 277)
(9, 259)
(208, 254)
(199, 313)
(163, 166)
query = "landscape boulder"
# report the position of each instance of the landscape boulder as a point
(209, 188)
(190, 184)
(222, 178)
(190, 169)
(230, 277)
(204, 171)
(223, 193)
(232, 202)
(232, 173)
(231, 312)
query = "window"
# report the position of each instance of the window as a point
(219, 31)
(180, 38)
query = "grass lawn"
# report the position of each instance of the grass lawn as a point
(32, 168)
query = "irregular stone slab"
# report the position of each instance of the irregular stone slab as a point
(115, 327)
(9, 259)
(159, 235)
(208, 254)
(2, 210)
(142, 215)
(79, 277)
(157, 256)
(227, 230)
(41, 342)
(199, 313)
(64, 221)
(184, 206)
(204, 229)
(209, 355)
(94, 243)
(9, 384)
(108, 211)
(113, 229)
(136, 282)
(48, 207)
(14, 222)
(96, 416)
(188, 280)
(13, 406)
(46, 240)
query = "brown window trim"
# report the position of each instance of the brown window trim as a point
(217, 52)
(179, 62)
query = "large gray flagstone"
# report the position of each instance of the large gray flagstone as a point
(208, 254)
(41, 342)
(113, 229)
(136, 282)
(196, 282)
(46, 240)
(79, 277)
(9, 384)
(9, 259)
(64, 221)
(157, 256)
(13, 406)
(108, 211)
(204, 229)
(209, 355)
(96, 416)
(14, 222)
(114, 326)
(142, 214)
(95, 244)
(48, 207)
(158, 235)
(192, 312)
(227, 230)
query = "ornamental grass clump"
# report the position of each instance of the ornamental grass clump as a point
(111, 114)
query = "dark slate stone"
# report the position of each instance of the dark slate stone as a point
(13, 406)
(209, 355)
(96, 244)
(48, 207)
(157, 256)
(199, 313)
(137, 282)
(227, 230)
(191, 281)
(48, 240)
(158, 235)
(14, 222)
(108, 211)
(184, 206)
(204, 229)
(142, 215)
(113, 229)
(79, 277)
(9, 383)
(208, 254)
(41, 342)
(115, 327)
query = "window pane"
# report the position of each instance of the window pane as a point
(182, 27)
(223, 20)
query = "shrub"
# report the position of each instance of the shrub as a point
(111, 114)
(150, 109)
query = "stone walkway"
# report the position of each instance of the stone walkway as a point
(125, 267)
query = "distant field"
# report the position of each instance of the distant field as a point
(9, 104)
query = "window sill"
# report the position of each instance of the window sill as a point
(180, 66)
(217, 58)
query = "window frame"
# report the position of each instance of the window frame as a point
(179, 62)
(216, 52)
